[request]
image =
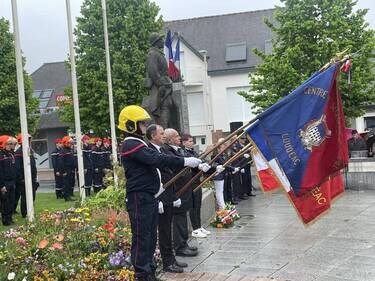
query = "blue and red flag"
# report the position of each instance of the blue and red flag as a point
(304, 133)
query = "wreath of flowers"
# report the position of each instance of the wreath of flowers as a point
(225, 218)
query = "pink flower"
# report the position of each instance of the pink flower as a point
(56, 246)
(21, 241)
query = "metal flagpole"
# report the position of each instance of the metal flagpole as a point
(110, 94)
(77, 122)
(23, 116)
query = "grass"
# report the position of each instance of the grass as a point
(43, 201)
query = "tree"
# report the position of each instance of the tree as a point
(307, 35)
(9, 109)
(129, 24)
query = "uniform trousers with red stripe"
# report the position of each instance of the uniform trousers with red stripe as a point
(143, 213)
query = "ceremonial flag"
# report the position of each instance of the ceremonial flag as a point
(302, 135)
(168, 53)
(176, 60)
(267, 179)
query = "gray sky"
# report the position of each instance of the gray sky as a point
(44, 30)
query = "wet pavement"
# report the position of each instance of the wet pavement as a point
(269, 242)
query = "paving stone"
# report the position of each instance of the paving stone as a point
(275, 244)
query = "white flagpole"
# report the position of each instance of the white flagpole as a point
(77, 122)
(110, 94)
(23, 116)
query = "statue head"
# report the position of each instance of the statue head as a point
(156, 40)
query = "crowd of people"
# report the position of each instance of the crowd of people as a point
(96, 153)
(12, 180)
(152, 156)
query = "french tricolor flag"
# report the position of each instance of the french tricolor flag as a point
(173, 71)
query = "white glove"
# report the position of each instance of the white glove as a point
(192, 162)
(177, 203)
(242, 171)
(246, 155)
(235, 170)
(161, 208)
(204, 167)
(220, 169)
(161, 190)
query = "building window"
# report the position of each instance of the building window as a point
(43, 103)
(196, 108)
(236, 52)
(36, 94)
(239, 109)
(46, 94)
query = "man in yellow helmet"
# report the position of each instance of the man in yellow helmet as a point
(141, 164)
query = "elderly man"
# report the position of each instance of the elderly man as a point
(155, 135)
(184, 203)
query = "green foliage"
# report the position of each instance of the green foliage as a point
(129, 24)
(9, 110)
(307, 35)
(109, 198)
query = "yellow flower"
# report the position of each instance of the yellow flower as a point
(87, 220)
(37, 278)
(74, 220)
(79, 210)
(87, 214)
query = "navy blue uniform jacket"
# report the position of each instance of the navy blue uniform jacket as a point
(140, 163)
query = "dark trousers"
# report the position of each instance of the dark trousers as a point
(228, 189)
(195, 212)
(143, 213)
(97, 180)
(246, 180)
(237, 186)
(21, 194)
(88, 181)
(165, 236)
(59, 186)
(69, 179)
(7, 203)
(180, 230)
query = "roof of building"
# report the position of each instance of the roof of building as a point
(214, 33)
(51, 121)
(50, 76)
(53, 75)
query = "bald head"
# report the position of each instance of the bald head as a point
(172, 137)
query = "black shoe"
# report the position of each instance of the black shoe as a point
(186, 253)
(234, 202)
(69, 199)
(173, 268)
(244, 197)
(180, 264)
(251, 194)
(192, 248)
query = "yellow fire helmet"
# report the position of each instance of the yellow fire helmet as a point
(129, 116)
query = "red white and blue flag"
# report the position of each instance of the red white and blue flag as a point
(305, 132)
(173, 71)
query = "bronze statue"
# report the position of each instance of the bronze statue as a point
(160, 103)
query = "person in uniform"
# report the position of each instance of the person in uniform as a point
(187, 142)
(8, 177)
(87, 163)
(57, 169)
(107, 148)
(69, 166)
(20, 184)
(98, 165)
(143, 182)
(155, 135)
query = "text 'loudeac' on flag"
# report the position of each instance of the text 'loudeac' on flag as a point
(304, 132)
(309, 206)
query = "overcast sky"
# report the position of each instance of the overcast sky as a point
(44, 30)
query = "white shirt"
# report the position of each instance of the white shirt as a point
(156, 146)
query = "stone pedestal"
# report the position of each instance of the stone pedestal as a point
(180, 99)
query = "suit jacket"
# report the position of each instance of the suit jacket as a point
(168, 196)
(186, 197)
